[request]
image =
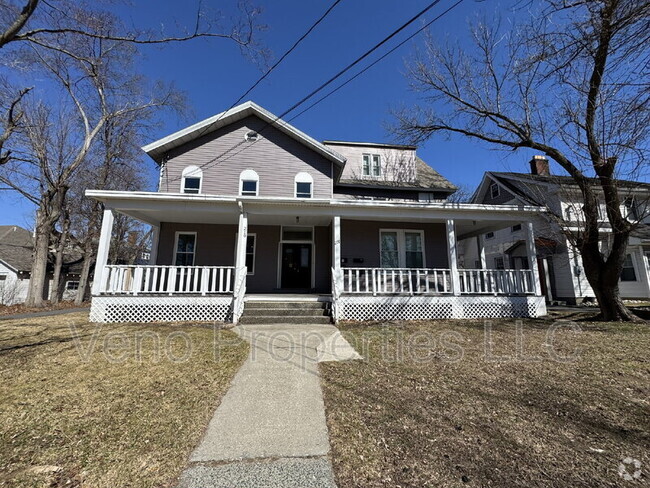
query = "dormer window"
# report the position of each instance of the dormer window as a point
(304, 185)
(191, 180)
(249, 183)
(371, 165)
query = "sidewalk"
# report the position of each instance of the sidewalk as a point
(270, 430)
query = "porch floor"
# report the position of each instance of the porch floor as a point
(287, 297)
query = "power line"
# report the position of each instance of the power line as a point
(277, 63)
(376, 61)
(323, 85)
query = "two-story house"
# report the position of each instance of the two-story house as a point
(560, 265)
(251, 209)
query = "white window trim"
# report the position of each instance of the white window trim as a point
(192, 172)
(249, 175)
(494, 185)
(371, 174)
(196, 241)
(303, 177)
(71, 281)
(401, 245)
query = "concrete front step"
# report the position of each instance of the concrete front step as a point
(249, 305)
(283, 319)
(286, 312)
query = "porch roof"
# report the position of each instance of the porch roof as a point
(154, 208)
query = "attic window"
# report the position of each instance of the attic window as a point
(494, 190)
(251, 136)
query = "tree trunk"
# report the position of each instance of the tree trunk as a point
(57, 286)
(603, 276)
(38, 275)
(85, 273)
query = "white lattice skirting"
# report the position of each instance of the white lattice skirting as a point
(422, 308)
(161, 309)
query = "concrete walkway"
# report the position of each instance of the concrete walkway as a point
(270, 430)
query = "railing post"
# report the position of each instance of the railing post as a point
(453, 257)
(531, 251)
(137, 280)
(101, 274)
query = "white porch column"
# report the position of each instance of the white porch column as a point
(336, 250)
(242, 236)
(480, 246)
(531, 252)
(452, 254)
(102, 251)
(644, 266)
(155, 237)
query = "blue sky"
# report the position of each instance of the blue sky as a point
(214, 74)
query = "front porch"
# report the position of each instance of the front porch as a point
(371, 260)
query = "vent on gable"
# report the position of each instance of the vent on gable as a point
(251, 136)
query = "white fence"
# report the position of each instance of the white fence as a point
(496, 281)
(396, 280)
(171, 280)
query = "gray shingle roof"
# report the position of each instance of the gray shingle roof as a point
(16, 247)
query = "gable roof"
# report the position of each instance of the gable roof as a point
(159, 148)
(16, 247)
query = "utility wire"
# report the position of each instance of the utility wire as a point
(322, 86)
(377, 60)
(277, 63)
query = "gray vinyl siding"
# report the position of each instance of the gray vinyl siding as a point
(360, 239)
(276, 158)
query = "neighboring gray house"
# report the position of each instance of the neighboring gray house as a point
(560, 265)
(249, 208)
(16, 250)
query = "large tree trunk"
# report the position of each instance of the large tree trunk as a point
(83, 278)
(603, 276)
(38, 275)
(57, 285)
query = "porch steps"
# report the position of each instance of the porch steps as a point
(257, 312)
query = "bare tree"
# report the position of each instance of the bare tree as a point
(571, 84)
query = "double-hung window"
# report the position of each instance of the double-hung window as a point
(185, 249)
(250, 254)
(401, 248)
(371, 165)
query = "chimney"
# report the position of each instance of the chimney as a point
(539, 166)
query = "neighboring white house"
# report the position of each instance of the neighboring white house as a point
(16, 250)
(560, 266)
(250, 208)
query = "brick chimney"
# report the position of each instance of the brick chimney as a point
(539, 166)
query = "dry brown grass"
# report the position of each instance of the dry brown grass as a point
(395, 420)
(97, 422)
(20, 308)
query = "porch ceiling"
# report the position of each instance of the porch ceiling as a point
(154, 208)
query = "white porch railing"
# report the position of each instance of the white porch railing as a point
(172, 280)
(411, 281)
(436, 281)
(496, 281)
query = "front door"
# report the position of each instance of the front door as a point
(296, 266)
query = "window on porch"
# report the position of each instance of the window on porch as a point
(402, 249)
(628, 273)
(185, 248)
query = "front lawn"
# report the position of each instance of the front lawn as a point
(106, 406)
(451, 404)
